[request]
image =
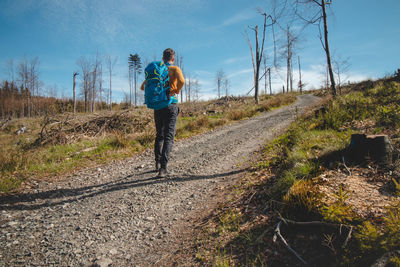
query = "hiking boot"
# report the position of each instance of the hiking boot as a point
(162, 173)
(158, 165)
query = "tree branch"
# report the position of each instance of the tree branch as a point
(320, 36)
(251, 51)
(278, 234)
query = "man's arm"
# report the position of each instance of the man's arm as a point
(181, 80)
(142, 86)
(177, 80)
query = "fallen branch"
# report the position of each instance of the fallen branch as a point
(278, 234)
(348, 237)
(4, 123)
(249, 200)
(319, 223)
(344, 164)
(313, 223)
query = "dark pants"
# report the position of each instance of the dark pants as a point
(165, 120)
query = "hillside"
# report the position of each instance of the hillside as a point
(54, 145)
(309, 199)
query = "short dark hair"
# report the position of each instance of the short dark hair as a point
(168, 54)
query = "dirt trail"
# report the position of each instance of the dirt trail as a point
(121, 214)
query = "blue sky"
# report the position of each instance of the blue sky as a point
(208, 34)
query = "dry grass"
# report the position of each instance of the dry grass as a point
(56, 145)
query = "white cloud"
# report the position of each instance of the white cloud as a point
(241, 16)
(239, 73)
(314, 77)
(100, 23)
(233, 60)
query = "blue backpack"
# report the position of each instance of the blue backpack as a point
(157, 89)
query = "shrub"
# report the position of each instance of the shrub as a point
(386, 93)
(118, 140)
(345, 109)
(229, 221)
(202, 122)
(388, 116)
(302, 200)
(237, 114)
(146, 138)
(10, 183)
(372, 241)
(338, 211)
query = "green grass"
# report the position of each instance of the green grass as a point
(229, 221)
(300, 153)
(286, 181)
(380, 103)
(20, 161)
(312, 145)
(373, 240)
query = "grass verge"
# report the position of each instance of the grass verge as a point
(288, 182)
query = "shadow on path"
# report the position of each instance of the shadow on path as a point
(58, 197)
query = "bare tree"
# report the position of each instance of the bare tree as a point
(85, 66)
(316, 19)
(179, 63)
(188, 88)
(267, 72)
(226, 84)
(95, 73)
(28, 76)
(219, 78)
(110, 62)
(290, 41)
(34, 83)
(10, 70)
(256, 59)
(300, 84)
(100, 82)
(195, 89)
(130, 70)
(135, 68)
(265, 76)
(269, 81)
(73, 88)
(23, 79)
(341, 67)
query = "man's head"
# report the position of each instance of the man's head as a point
(169, 55)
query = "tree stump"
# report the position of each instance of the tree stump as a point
(375, 147)
(358, 149)
(320, 111)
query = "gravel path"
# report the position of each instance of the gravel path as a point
(121, 214)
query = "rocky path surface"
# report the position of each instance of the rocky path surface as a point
(121, 214)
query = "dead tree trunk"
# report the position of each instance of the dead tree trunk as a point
(327, 51)
(258, 56)
(300, 83)
(269, 81)
(74, 92)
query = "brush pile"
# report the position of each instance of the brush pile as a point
(67, 129)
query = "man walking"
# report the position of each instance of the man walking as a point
(165, 118)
